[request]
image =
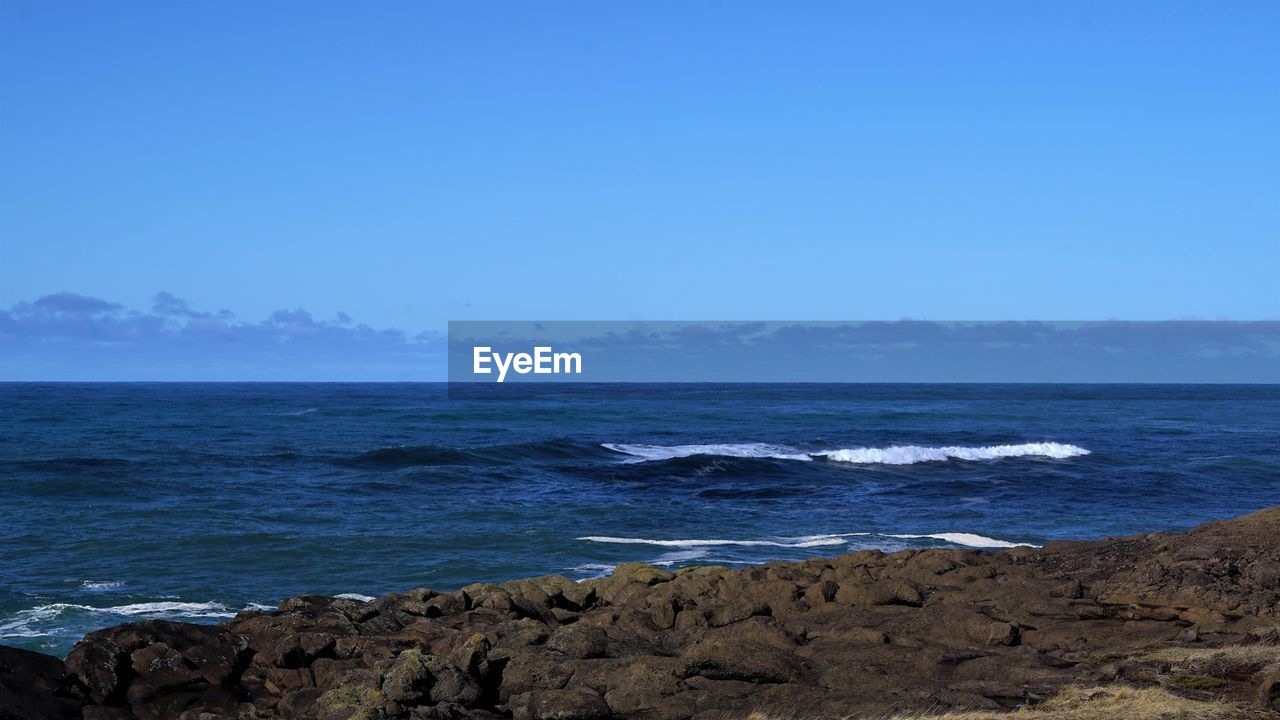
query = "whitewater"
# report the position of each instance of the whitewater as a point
(892, 455)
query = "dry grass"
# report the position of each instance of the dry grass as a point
(1110, 704)
(1104, 703)
(1213, 661)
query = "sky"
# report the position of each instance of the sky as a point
(400, 165)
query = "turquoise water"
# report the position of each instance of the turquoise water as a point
(193, 501)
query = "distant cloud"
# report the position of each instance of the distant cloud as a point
(68, 336)
(166, 303)
(904, 351)
(71, 336)
(67, 303)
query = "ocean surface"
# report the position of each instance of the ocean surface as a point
(121, 502)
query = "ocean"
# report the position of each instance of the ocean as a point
(123, 501)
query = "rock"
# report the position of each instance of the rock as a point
(640, 572)
(163, 667)
(472, 656)
(641, 686)
(301, 649)
(847, 636)
(1071, 589)
(1002, 633)
(880, 593)
(578, 597)
(821, 592)
(446, 604)
(529, 672)
(1269, 692)
(156, 655)
(567, 704)
(579, 641)
(751, 653)
(350, 703)
(453, 685)
(299, 702)
(100, 666)
(1265, 573)
(409, 680)
(32, 686)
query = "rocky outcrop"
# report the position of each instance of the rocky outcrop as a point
(33, 686)
(867, 632)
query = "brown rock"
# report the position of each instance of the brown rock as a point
(528, 672)
(567, 704)
(410, 679)
(1269, 692)
(579, 641)
(853, 635)
(641, 686)
(742, 653)
(640, 572)
(31, 686)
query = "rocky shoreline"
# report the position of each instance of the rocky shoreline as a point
(868, 632)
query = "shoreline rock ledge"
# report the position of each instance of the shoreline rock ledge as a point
(866, 632)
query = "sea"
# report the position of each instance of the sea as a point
(122, 502)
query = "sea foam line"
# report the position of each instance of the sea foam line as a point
(912, 454)
(893, 455)
(185, 609)
(812, 541)
(21, 623)
(807, 541)
(741, 450)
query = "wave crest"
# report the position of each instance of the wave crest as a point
(893, 455)
(808, 541)
(738, 450)
(912, 454)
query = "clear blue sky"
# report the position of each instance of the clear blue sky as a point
(409, 163)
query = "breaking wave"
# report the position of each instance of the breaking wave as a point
(738, 450)
(808, 541)
(48, 620)
(893, 455)
(912, 454)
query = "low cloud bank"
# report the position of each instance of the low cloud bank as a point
(68, 336)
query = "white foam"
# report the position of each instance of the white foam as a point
(808, 541)
(356, 596)
(25, 623)
(101, 585)
(18, 629)
(741, 450)
(679, 556)
(967, 539)
(169, 609)
(912, 454)
(181, 609)
(594, 570)
(893, 455)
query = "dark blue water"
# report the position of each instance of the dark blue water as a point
(125, 501)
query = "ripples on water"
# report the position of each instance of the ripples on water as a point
(193, 501)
